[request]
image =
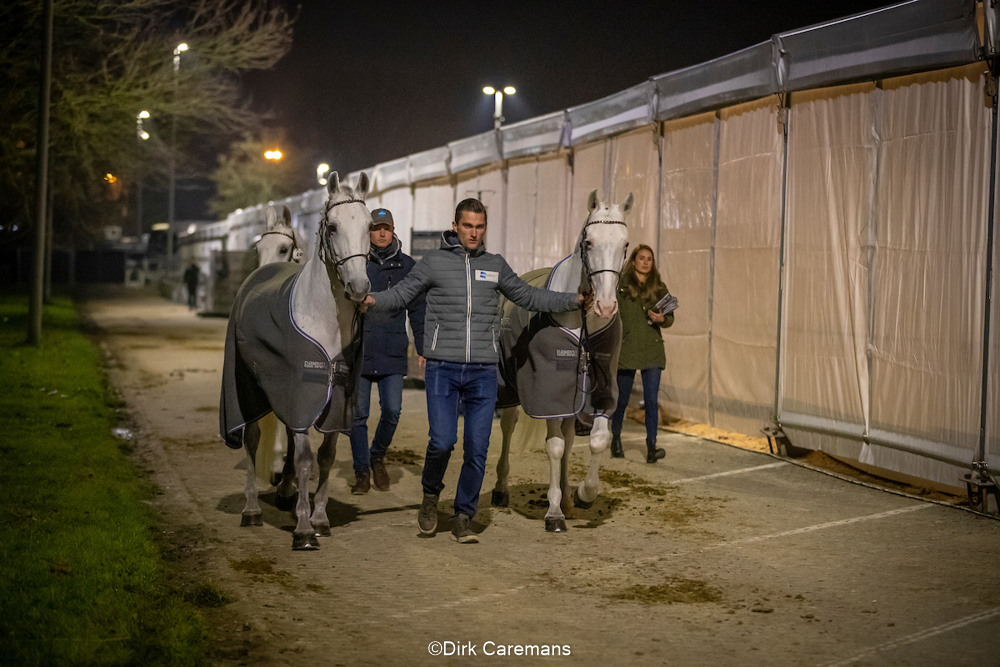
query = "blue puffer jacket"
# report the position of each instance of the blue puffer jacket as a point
(386, 341)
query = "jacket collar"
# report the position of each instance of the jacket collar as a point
(390, 251)
(449, 241)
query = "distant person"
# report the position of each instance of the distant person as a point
(191, 275)
(385, 357)
(642, 346)
(462, 283)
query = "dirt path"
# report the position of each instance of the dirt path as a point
(713, 556)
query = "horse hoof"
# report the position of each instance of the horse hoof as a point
(501, 498)
(555, 526)
(323, 530)
(286, 503)
(305, 542)
(580, 502)
(251, 520)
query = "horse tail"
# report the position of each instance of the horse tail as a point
(270, 430)
(529, 435)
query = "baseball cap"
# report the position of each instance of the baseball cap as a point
(381, 216)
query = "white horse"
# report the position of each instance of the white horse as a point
(289, 348)
(596, 264)
(278, 243)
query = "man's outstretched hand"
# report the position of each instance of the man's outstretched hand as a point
(363, 305)
(585, 299)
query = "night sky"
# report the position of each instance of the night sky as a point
(372, 81)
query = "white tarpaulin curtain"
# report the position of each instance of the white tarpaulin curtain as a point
(635, 164)
(745, 284)
(522, 185)
(687, 217)
(831, 176)
(433, 205)
(551, 208)
(928, 287)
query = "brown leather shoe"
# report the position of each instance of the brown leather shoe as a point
(362, 484)
(380, 476)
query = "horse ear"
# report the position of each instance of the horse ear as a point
(363, 184)
(333, 183)
(627, 206)
(286, 215)
(271, 218)
(592, 201)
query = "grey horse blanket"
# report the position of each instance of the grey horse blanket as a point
(271, 365)
(542, 370)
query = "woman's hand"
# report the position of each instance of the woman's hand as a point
(656, 316)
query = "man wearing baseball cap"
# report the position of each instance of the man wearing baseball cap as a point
(385, 356)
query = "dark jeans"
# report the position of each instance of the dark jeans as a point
(650, 388)
(192, 295)
(390, 400)
(476, 385)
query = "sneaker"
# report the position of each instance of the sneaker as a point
(427, 517)
(380, 476)
(461, 530)
(362, 484)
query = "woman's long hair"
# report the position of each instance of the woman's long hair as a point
(653, 289)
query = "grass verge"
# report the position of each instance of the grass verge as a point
(82, 578)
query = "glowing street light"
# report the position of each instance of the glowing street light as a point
(171, 198)
(139, 132)
(321, 172)
(498, 103)
(272, 155)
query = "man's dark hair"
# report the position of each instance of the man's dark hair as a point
(472, 206)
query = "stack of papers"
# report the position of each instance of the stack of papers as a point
(667, 304)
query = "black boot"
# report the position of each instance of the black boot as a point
(653, 452)
(616, 446)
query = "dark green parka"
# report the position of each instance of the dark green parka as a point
(642, 344)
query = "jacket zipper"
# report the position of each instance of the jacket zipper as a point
(468, 312)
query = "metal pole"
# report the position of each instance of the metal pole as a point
(173, 169)
(138, 207)
(711, 260)
(990, 240)
(47, 295)
(784, 112)
(41, 183)
(497, 110)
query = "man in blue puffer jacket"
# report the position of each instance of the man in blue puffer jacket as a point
(462, 283)
(385, 355)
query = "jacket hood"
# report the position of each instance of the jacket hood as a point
(387, 253)
(449, 241)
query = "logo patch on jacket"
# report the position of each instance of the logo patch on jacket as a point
(487, 276)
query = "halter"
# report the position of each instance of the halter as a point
(325, 246)
(295, 242)
(583, 249)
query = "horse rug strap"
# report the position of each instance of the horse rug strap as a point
(541, 368)
(271, 365)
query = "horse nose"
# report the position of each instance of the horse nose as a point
(606, 310)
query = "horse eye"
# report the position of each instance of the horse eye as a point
(284, 251)
(332, 229)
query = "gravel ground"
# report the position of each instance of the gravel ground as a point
(715, 555)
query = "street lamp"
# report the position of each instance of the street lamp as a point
(141, 135)
(181, 48)
(321, 172)
(498, 103)
(273, 155)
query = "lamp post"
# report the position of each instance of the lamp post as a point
(321, 172)
(141, 135)
(182, 47)
(498, 103)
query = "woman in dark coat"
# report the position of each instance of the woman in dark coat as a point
(642, 345)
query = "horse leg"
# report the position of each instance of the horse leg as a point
(285, 498)
(251, 512)
(327, 453)
(555, 520)
(569, 434)
(588, 489)
(501, 492)
(304, 536)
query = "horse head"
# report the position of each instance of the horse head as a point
(344, 241)
(278, 243)
(603, 247)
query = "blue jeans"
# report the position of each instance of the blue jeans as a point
(476, 385)
(390, 399)
(650, 388)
